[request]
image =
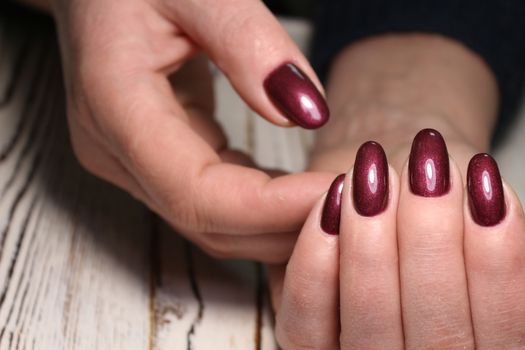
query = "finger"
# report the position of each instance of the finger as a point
(308, 315)
(271, 248)
(369, 276)
(259, 58)
(434, 298)
(182, 174)
(495, 258)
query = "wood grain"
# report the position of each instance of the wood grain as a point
(82, 264)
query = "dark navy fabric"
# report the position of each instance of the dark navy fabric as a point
(495, 29)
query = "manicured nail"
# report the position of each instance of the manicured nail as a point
(370, 179)
(428, 165)
(332, 207)
(485, 190)
(296, 96)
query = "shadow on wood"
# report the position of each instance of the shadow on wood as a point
(82, 264)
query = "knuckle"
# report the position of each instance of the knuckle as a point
(298, 292)
(292, 336)
(371, 306)
(183, 211)
(373, 260)
(192, 206)
(297, 324)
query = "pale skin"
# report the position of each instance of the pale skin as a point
(384, 89)
(422, 274)
(140, 113)
(399, 280)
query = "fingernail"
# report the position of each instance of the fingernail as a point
(485, 190)
(331, 215)
(370, 179)
(296, 96)
(428, 165)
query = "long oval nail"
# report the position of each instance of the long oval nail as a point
(370, 180)
(428, 165)
(485, 190)
(294, 94)
(331, 215)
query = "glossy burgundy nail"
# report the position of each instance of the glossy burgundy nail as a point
(428, 165)
(296, 96)
(331, 215)
(485, 190)
(370, 180)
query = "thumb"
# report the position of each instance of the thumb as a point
(263, 64)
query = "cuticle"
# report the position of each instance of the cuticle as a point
(283, 63)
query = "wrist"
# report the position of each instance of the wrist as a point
(413, 81)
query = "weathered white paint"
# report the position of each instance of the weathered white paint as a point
(82, 264)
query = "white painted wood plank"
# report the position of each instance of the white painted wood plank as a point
(223, 306)
(233, 114)
(74, 252)
(277, 147)
(78, 266)
(83, 266)
(174, 301)
(229, 304)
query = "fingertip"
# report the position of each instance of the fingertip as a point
(296, 96)
(495, 263)
(485, 191)
(368, 269)
(331, 213)
(513, 208)
(308, 316)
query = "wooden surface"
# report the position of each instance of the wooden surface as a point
(83, 265)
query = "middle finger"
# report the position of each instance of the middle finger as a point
(434, 296)
(369, 276)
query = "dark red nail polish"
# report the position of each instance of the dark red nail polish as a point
(485, 190)
(428, 165)
(332, 207)
(370, 179)
(296, 96)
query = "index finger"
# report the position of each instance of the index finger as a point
(308, 316)
(184, 176)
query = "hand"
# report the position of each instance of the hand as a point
(140, 111)
(417, 264)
